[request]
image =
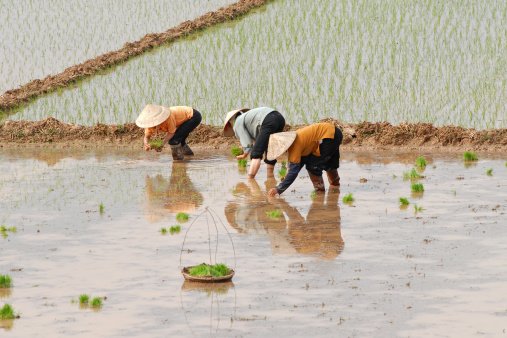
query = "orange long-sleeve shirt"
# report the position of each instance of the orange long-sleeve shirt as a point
(307, 140)
(179, 114)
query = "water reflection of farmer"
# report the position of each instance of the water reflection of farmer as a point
(177, 194)
(319, 234)
(316, 146)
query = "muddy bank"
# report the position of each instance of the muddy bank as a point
(365, 135)
(15, 97)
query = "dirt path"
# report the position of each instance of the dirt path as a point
(12, 98)
(361, 136)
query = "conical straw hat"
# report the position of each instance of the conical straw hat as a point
(228, 117)
(279, 143)
(152, 115)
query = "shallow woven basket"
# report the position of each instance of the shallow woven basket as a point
(206, 279)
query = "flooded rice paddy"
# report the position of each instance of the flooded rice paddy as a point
(41, 38)
(323, 268)
(437, 62)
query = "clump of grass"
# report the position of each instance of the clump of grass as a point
(156, 143)
(274, 213)
(236, 151)
(175, 229)
(282, 172)
(182, 217)
(420, 162)
(489, 172)
(470, 156)
(84, 299)
(242, 163)
(5, 281)
(101, 208)
(163, 231)
(417, 187)
(348, 199)
(96, 302)
(217, 270)
(5, 230)
(411, 175)
(404, 201)
(7, 312)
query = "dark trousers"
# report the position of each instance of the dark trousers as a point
(329, 155)
(273, 123)
(181, 134)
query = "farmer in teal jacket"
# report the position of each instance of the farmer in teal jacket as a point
(253, 127)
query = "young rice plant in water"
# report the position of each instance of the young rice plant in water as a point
(242, 163)
(7, 312)
(283, 171)
(469, 156)
(175, 229)
(83, 299)
(274, 213)
(404, 201)
(96, 302)
(5, 281)
(420, 162)
(182, 217)
(217, 270)
(349, 198)
(411, 175)
(489, 172)
(417, 187)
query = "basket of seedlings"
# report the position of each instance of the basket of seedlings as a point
(215, 270)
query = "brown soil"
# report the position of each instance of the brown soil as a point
(361, 136)
(12, 98)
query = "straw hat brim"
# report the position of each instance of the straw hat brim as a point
(279, 143)
(228, 117)
(152, 115)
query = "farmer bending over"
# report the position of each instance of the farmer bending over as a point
(177, 122)
(317, 146)
(253, 128)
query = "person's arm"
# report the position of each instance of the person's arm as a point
(146, 139)
(293, 172)
(255, 164)
(168, 137)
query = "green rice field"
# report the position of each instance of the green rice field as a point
(426, 61)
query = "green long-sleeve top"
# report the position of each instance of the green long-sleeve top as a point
(247, 126)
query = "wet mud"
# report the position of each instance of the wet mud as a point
(365, 135)
(320, 267)
(12, 98)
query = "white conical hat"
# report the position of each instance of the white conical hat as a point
(279, 143)
(228, 117)
(152, 115)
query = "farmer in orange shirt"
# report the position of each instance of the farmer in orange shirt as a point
(176, 122)
(316, 146)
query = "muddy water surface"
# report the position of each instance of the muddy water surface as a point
(321, 268)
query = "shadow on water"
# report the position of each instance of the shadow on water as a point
(318, 234)
(171, 195)
(208, 300)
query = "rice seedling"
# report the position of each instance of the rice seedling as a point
(404, 201)
(242, 163)
(5, 230)
(418, 208)
(282, 172)
(175, 229)
(348, 199)
(235, 151)
(5, 281)
(489, 172)
(101, 208)
(417, 187)
(412, 175)
(274, 213)
(182, 217)
(313, 195)
(7, 312)
(469, 156)
(217, 270)
(156, 144)
(420, 162)
(83, 299)
(96, 302)
(163, 231)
